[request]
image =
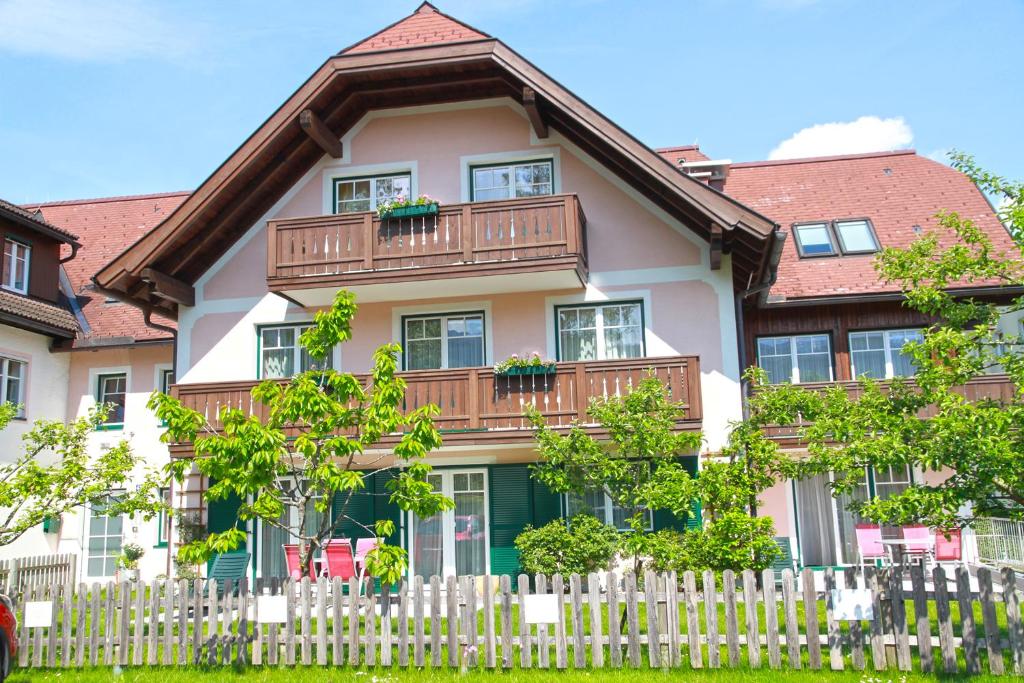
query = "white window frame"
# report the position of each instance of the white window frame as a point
(448, 521)
(26, 255)
(444, 317)
(511, 166)
(600, 350)
(793, 355)
(886, 346)
(824, 225)
(299, 327)
(842, 242)
(87, 536)
(5, 375)
(98, 377)
(373, 179)
(608, 512)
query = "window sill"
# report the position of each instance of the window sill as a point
(110, 427)
(14, 291)
(161, 544)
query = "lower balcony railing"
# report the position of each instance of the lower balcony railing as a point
(479, 406)
(996, 386)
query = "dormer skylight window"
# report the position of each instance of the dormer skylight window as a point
(832, 238)
(814, 239)
(856, 237)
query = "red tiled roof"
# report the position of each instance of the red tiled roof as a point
(107, 227)
(425, 26)
(37, 220)
(688, 153)
(895, 190)
(39, 311)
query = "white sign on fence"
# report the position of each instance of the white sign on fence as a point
(39, 614)
(852, 604)
(272, 609)
(541, 609)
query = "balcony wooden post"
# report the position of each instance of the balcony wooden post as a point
(272, 248)
(571, 222)
(581, 392)
(468, 233)
(473, 399)
(368, 241)
(694, 409)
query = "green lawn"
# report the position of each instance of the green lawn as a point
(330, 674)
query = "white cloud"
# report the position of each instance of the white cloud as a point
(866, 134)
(93, 30)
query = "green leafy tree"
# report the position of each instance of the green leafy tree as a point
(639, 468)
(584, 545)
(978, 442)
(55, 474)
(320, 440)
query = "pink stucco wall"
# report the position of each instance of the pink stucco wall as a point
(142, 360)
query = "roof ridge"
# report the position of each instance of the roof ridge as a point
(815, 160)
(101, 200)
(425, 8)
(678, 148)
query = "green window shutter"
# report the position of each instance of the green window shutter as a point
(510, 487)
(221, 515)
(547, 505)
(666, 520)
(359, 507)
(383, 508)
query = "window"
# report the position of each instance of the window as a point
(166, 380)
(509, 181)
(600, 505)
(281, 355)
(879, 354)
(600, 332)
(12, 382)
(814, 239)
(364, 194)
(111, 391)
(163, 526)
(104, 544)
(16, 257)
(803, 358)
(444, 341)
(856, 237)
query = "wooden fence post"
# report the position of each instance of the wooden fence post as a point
(750, 613)
(811, 620)
(1014, 629)
(968, 629)
(771, 618)
(835, 635)
(993, 636)
(792, 623)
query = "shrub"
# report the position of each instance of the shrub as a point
(733, 541)
(583, 545)
(665, 551)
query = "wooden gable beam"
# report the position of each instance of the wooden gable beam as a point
(320, 133)
(716, 246)
(170, 288)
(533, 111)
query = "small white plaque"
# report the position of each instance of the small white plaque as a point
(272, 609)
(541, 609)
(852, 604)
(39, 614)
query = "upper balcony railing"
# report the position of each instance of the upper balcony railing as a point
(994, 386)
(478, 406)
(515, 236)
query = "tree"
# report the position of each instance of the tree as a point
(639, 469)
(313, 446)
(31, 491)
(979, 443)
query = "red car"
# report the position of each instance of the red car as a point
(8, 636)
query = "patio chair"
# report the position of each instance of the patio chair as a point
(784, 560)
(869, 542)
(291, 558)
(363, 548)
(948, 546)
(340, 563)
(919, 542)
(228, 566)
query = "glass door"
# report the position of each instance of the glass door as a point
(453, 542)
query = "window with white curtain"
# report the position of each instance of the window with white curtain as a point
(796, 359)
(12, 382)
(16, 262)
(607, 331)
(508, 181)
(600, 505)
(453, 340)
(365, 194)
(879, 353)
(281, 355)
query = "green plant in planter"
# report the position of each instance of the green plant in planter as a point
(583, 545)
(531, 365)
(131, 553)
(399, 204)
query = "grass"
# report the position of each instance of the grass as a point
(330, 674)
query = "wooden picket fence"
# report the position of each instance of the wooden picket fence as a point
(19, 573)
(604, 621)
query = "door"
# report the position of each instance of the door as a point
(453, 542)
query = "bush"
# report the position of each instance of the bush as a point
(666, 551)
(583, 545)
(733, 541)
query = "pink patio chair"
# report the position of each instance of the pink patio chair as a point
(947, 545)
(340, 563)
(291, 558)
(363, 548)
(869, 542)
(919, 542)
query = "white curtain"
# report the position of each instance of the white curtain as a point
(816, 520)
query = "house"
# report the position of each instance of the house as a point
(557, 232)
(35, 321)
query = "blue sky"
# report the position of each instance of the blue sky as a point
(111, 97)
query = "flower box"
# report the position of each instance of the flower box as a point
(412, 211)
(548, 369)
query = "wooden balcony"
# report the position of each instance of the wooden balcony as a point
(478, 407)
(529, 244)
(996, 386)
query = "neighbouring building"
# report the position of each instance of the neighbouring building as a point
(557, 232)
